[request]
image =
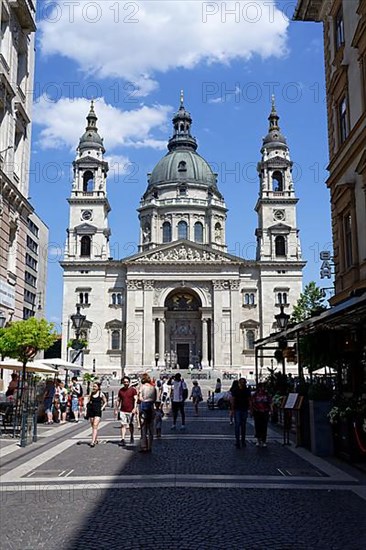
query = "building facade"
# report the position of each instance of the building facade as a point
(18, 279)
(345, 69)
(182, 299)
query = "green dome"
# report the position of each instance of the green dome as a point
(182, 165)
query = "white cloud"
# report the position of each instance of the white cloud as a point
(136, 40)
(64, 121)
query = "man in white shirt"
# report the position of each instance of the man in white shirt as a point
(179, 395)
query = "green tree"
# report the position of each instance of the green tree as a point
(23, 339)
(311, 301)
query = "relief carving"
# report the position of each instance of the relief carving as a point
(183, 253)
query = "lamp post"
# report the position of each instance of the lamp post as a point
(156, 359)
(282, 320)
(78, 321)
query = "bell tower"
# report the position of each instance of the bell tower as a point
(88, 233)
(277, 233)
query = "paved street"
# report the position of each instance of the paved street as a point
(195, 491)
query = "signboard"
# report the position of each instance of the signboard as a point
(325, 268)
(7, 295)
(291, 401)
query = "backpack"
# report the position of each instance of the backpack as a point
(80, 392)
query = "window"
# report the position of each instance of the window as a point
(33, 228)
(277, 181)
(339, 29)
(198, 232)
(30, 279)
(29, 297)
(116, 339)
(343, 119)
(117, 299)
(282, 299)
(347, 231)
(27, 313)
(250, 339)
(182, 191)
(85, 246)
(32, 245)
(182, 230)
(280, 246)
(167, 232)
(84, 298)
(182, 166)
(31, 262)
(88, 182)
(249, 299)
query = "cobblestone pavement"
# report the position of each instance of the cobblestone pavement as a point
(194, 491)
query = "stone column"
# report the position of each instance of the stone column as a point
(161, 342)
(204, 360)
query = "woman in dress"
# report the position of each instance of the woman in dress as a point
(96, 404)
(196, 396)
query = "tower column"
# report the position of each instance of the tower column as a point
(204, 360)
(161, 342)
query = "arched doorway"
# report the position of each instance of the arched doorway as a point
(183, 332)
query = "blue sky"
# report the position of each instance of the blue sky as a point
(134, 58)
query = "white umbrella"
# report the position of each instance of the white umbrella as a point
(38, 366)
(58, 362)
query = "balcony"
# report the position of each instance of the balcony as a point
(25, 12)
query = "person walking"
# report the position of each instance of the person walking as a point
(218, 386)
(179, 395)
(63, 396)
(241, 404)
(165, 395)
(96, 404)
(146, 400)
(126, 404)
(196, 396)
(158, 418)
(260, 406)
(234, 385)
(76, 391)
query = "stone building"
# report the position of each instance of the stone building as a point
(21, 278)
(182, 299)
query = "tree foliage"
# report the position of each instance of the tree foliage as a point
(23, 339)
(311, 302)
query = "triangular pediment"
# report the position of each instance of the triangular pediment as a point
(279, 228)
(183, 251)
(85, 229)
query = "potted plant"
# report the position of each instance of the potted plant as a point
(348, 420)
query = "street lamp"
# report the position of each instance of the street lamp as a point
(282, 319)
(156, 359)
(78, 321)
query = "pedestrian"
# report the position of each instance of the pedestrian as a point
(63, 398)
(158, 418)
(234, 385)
(179, 395)
(126, 405)
(76, 391)
(260, 407)
(48, 398)
(196, 396)
(13, 386)
(96, 404)
(241, 404)
(218, 386)
(165, 394)
(146, 400)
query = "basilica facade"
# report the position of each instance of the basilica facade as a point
(182, 300)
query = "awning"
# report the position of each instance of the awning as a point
(30, 367)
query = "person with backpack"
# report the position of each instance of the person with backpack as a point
(179, 395)
(76, 390)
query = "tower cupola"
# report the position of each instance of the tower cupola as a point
(274, 138)
(91, 139)
(182, 121)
